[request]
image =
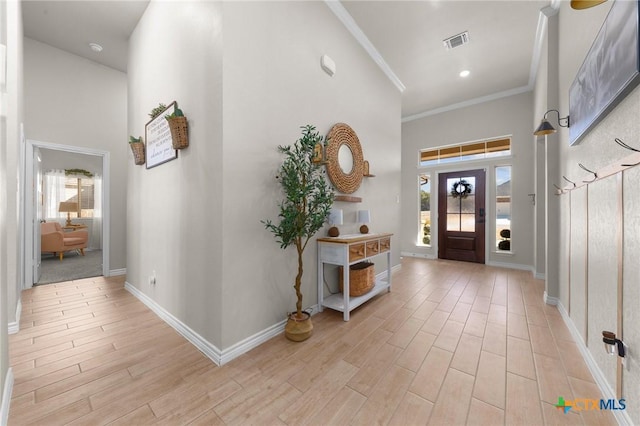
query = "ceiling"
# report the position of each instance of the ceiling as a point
(408, 35)
(72, 25)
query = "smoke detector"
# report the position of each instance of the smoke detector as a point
(456, 41)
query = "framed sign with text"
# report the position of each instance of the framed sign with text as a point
(158, 139)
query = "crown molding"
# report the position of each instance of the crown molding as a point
(347, 20)
(470, 102)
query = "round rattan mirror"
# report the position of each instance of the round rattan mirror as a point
(346, 178)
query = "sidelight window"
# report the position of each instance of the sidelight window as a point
(424, 231)
(503, 208)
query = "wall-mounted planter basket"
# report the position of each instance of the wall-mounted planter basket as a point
(138, 153)
(179, 134)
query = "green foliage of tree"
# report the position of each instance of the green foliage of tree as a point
(308, 198)
(425, 201)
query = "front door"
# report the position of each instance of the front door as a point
(461, 216)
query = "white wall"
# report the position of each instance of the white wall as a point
(273, 84)
(4, 353)
(587, 239)
(10, 35)
(60, 160)
(506, 116)
(73, 101)
(174, 210)
(541, 191)
(196, 220)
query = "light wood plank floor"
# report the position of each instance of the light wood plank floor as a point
(453, 343)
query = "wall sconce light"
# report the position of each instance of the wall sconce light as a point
(545, 128)
(364, 217)
(611, 344)
(585, 4)
(335, 218)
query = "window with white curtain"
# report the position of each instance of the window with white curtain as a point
(60, 187)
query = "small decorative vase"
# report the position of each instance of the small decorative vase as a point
(298, 329)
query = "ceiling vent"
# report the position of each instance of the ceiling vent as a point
(456, 40)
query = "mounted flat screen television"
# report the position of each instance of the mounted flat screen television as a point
(610, 71)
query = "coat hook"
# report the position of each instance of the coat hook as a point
(624, 145)
(559, 191)
(571, 182)
(590, 171)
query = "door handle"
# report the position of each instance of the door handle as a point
(482, 212)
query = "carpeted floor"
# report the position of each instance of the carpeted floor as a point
(72, 267)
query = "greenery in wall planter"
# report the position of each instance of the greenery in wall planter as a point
(157, 111)
(308, 198)
(179, 129)
(137, 146)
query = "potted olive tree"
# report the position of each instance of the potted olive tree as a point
(303, 211)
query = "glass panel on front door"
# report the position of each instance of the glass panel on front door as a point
(461, 204)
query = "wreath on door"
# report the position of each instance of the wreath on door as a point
(461, 189)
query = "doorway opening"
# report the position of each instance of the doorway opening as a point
(52, 184)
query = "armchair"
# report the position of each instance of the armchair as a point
(54, 240)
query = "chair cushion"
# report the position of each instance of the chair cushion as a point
(72, 241)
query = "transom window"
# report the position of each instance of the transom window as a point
(470, 151)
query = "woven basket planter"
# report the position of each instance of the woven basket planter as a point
(138, 152)
(179, 135)
(362, 278)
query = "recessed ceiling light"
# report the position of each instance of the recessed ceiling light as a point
(95, 47)
(465, 73)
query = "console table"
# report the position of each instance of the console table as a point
(346, 250)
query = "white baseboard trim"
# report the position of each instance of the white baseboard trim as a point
(540, 275)
(216, 355)
(512, 266)
(6, 397)
(251, 342)
(490, 263)
(418, 255)
(115, 272)
(621, 416)
(550, 300)
(14, 326)
(198, 341)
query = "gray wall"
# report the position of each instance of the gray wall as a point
(273, 84)
(10, 259)
(174, 210)
(60, 160)
(506, 116)
(74, 101)
(590, 250)
(218, 270)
